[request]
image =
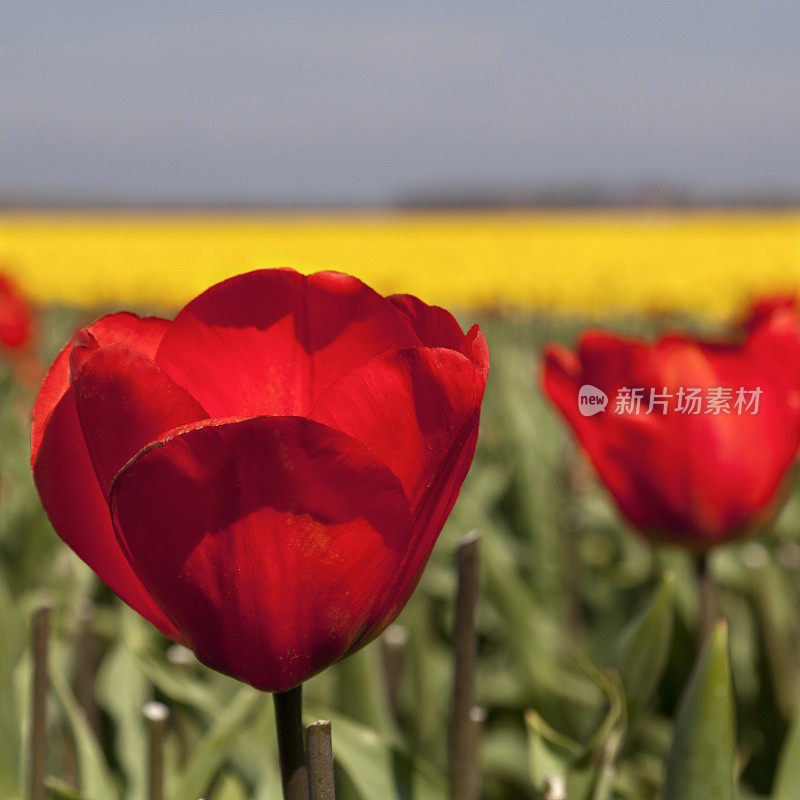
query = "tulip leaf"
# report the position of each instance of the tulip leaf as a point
(591, 775)
(643, 648)
(550, 754)
(174, 684)
(701, 761)
(213, 748)
(614, 718)
(775, 609)
(361, 691)
(61, 790)
(120, 669)
(378, 767)
(229, 787)
(22, 682)
(10, 653)
(255, 756)
(96, 781)
(787, 780)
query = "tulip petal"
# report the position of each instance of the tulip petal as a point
(142, 334)
(435, 326)
(266, 540)
(562, 379)
(78, 511)
(428, 523)
(16, 316)
(270, 342)
(65, 477)
(409, 407)
(418, 411)
(125, 401)
(616, 444)
(694, 478)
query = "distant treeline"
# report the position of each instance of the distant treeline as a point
(565, 197)
(454, 198)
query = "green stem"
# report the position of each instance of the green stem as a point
(707, 598)
(289, 722)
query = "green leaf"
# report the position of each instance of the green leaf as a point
(13, 628)
(787, 780)
(591, 776)
(213, 747)
(125, 707)
(643, 649)
(95, 778)
(381, 768)
(169, 680)
(61, 790)
(700, 765)
(229, 787)
(361, 691)
(255, 756)
(549, 752)
(775, 605)
(606, 771)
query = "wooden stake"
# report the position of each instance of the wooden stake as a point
(86, 665)
(393, 643)
(320, 761)
(462, 759)
(156, 715)
(40, 639)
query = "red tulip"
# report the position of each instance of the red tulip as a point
(16, 319)
(264, 477)
(690, 474)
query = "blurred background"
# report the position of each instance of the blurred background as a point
(187, 142)
(355, 104)
(536, 167)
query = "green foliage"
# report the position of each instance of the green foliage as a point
(586, 638)
(643, 649)
(787, 779)
(701, 760)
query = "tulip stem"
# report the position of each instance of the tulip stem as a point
(394, 641)
(707, 597)
(291, 751)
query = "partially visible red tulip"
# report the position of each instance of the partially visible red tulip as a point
(16, 317)
(703, 458)
(264, 477)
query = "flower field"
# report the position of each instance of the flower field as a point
(589, 682)
(706, 262)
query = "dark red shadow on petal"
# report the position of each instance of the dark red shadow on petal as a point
(408, 407)
(142, 334)
(267, 541)
(125, 401)
(64, 474)
(78, 511)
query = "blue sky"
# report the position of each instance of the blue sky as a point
(366, 102)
